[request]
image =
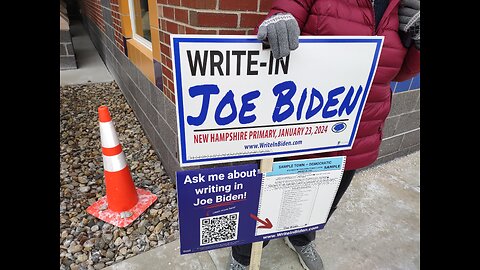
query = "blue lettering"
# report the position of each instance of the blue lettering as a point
(205, 90)
(302, 102)
(311, 112)
(283, 100)
(332, 101)
(346, 104)
(226, 100)
(248, 107)
(330, 105)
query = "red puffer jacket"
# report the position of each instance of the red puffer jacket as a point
(397, 63)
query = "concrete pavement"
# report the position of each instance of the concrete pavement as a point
(376, 226)
(91, 68)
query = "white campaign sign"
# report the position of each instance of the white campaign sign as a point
(236, 102)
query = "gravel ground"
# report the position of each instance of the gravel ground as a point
(85, 241)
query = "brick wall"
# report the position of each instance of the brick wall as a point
(117, 24)
(401, 134)
(93, 11)
(204, 17)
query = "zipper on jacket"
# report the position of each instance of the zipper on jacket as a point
(372, 10)
(385, 13)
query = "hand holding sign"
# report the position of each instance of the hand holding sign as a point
(281, 32)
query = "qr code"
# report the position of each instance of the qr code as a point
(218, 229)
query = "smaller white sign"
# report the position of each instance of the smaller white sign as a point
(299, 194)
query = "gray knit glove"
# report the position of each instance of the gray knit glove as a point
(409, 17)
(281, 32)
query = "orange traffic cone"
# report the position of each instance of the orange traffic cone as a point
(123, 202)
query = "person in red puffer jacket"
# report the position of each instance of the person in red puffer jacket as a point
(399, 22)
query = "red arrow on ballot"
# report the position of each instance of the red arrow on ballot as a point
(266, 224)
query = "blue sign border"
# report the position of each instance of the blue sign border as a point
(179, 92)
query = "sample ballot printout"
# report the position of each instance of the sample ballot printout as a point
(299, 194)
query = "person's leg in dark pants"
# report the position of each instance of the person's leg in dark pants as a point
(344, 184)
(302, 243)
(303, 239)
(242, 253)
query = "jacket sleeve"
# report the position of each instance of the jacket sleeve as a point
(298, 8)
(410, 66)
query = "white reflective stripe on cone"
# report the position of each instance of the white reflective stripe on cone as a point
(114, 163)
(108, 135)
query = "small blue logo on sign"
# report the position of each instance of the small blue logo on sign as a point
(339, 127)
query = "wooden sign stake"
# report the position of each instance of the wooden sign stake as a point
(257, 247)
